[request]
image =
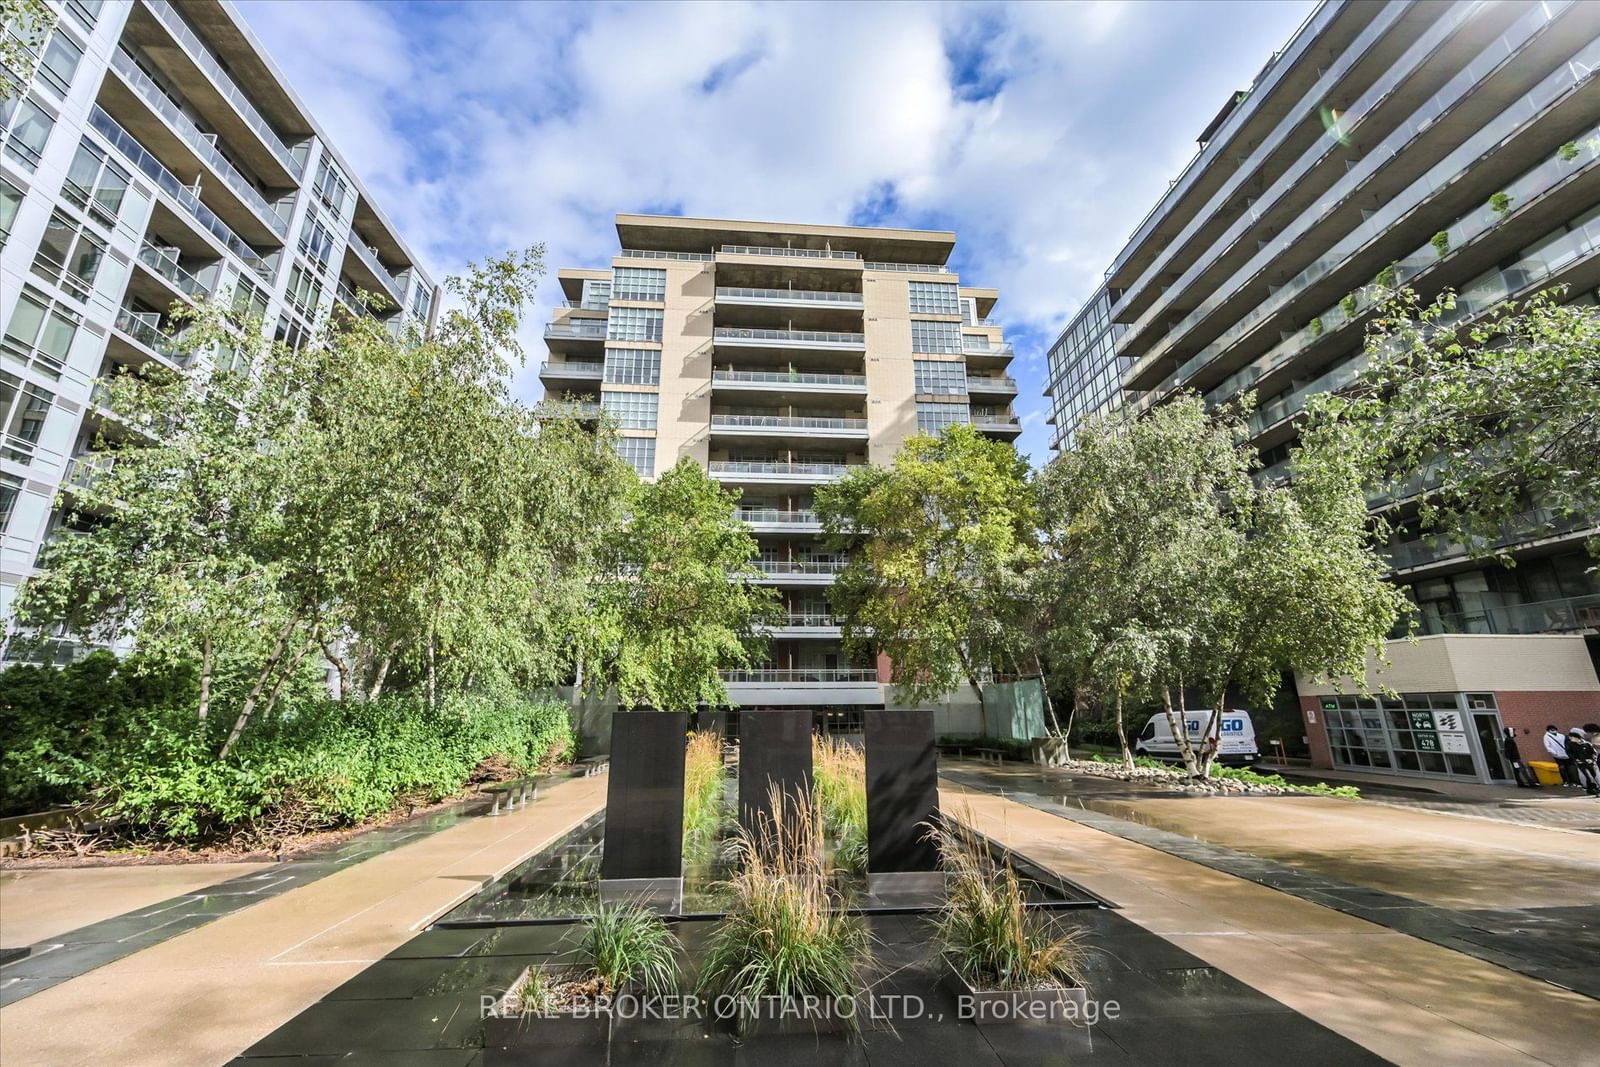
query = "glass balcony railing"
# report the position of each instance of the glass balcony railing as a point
(789, 377)
(1564, 615)
(1350, 120)
(274, 217)
(643, 253)
(391, 286)
(802, 675)
(160, 263)
(1536, 524)
(82, 471)
(224, 84)
(797, 296)
(981, 347)
(573, 409)
(1577, 70)
(995, 422)
(809, 619)
(786, 422)
(777, 515)
(799, 337)
(781, 467)
(913, 268)
(991, 383)
(140, 327)
(152, 168)
(572, 369)
(801, 566)
(793, 253)
(574, 328)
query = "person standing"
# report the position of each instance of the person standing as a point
(1519, 770)
(1582, 755)
(1556, 745)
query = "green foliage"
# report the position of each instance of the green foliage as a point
(25, 26)
(1500, 413)
(671, 616)
(1348, 305)
(59, 725)
(1386, 277)
(940, 545)
(787, 932)
(316, 764)
(1568, 152)
(839, 777)
(1500, 204)
(1441, 243)
(986, 928)
(625, 945)
(1250, 777)
(1316, 327)
(704, 788)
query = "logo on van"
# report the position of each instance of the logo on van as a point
(1229, 726)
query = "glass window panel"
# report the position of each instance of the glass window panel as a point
(633, 366)
(10, 486)
(933, 417)
(639, 283)
(943, 338)
(10, 206)
(940, 376)
(30, 129)
(640, 452)
(634, 324)
(633, 411)
(934, 298)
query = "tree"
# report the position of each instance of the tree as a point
(674, 606)
(941, 544)
(25, 26)
(1503, 414)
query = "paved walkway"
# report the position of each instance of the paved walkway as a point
(41, 905)
(1545, 806)
(1405, 999)
(205, 995)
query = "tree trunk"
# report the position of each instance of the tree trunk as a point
(205, 678)
(383, 672)
(1180, 732)
(288, 672)
(251, 700)
(432, 676)
(339, 665)
(1049, 706)
(1211, 740)
(1072, 718)
(1122, 734)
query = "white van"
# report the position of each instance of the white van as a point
(1237, 738)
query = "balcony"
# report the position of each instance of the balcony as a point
(641, 253)
(797, 571)
(223, 83)
(736, 337)
(991, 385)
(575, 409)
(804, 686)
(201, 215)
(780, 520)
(1001, 425)
(1536, 525)
(203, 147)
(801, 298)
(143, 328)
(1573, 614)
(83, 471)
(806, 625)
(572, 370)
(788, 426)
(388, 285)
(778, 472)
(788, 253)
(914, 268)
(158, 262)
(787, 381)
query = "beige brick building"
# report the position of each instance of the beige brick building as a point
(779, 356)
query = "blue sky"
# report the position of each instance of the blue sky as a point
(1041, 133)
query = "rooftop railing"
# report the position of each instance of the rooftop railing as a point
(794, 253)
(644, 253)
(914, 268)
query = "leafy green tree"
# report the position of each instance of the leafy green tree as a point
(25, 26)
(1503, 413)
(674, 606)
(941, 545)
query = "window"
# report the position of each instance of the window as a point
(249, 302)
(40, 333)
(421, 303)
(10, 205)
(596, 295)
(10, 486)
(639, 283)
(634, 324)
(85, 11)
(291, 332)
(933, 417)
(969, 311)
(316, 241)
(305, 290)
(330, 186)
(934, 298)
(23, 407)
(940, 376)
(633, 411)
(640, 452)
(30, 128)
(69, 256)
(95, 183)
(59, 64)
(940, 337)
(633, 366)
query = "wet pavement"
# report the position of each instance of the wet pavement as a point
(1523, 898)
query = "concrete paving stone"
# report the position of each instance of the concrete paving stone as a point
(1022, 1045)
(1214, 1039)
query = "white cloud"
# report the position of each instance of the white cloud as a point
(480, 127)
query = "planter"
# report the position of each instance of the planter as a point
(642, 859)
(774, 750)
(902, 799)
(507, 1028)
(1053, 1004)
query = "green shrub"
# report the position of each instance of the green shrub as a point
(318, 764)
(839, 777)
(704, 786)
(626, 945)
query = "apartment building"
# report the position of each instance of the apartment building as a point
(780, 356)
(157, 157)
(1429, 144)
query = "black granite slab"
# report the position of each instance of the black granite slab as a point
(774, 750)
(644, 796)
(902, 791)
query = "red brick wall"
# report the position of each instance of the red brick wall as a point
(1529, 713)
